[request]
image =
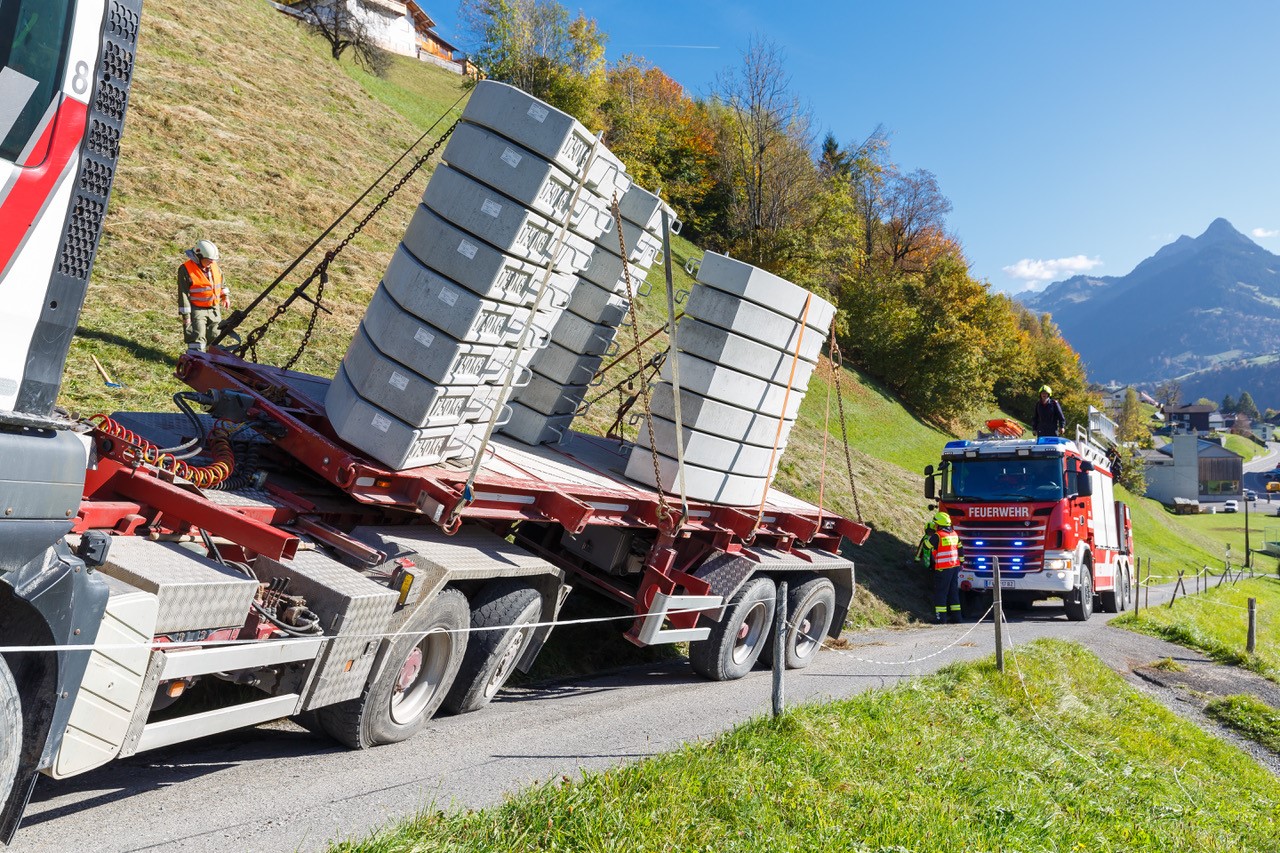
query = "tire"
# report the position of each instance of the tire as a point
(389, 711)
(1081, 609)
(737, 640)
(811, 605)
(10, 731)
(1109, 601)
(491, 656)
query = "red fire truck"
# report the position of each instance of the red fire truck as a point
(1044, 509)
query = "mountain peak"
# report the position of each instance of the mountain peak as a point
(1220, 231)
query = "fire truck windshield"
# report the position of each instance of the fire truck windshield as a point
(1020, 479)
(34, 38)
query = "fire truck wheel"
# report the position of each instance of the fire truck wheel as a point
(811, 605)
(1116, 600)
(1126, 591)
(1081, 608)
(10, 730)
(412, 680)
(492, 655)
(738, 638)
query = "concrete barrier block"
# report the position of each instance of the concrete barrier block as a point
(598, 304)
(566, 366)
(548, 397)
(450, 307)
(545, 130)
(414, 399)
(715, 417)
(733, 386)
(607, 269)
(750, 320)
(724, 347)
(533, 427)
(709, 450)
(475, 264)
(428, 350)
(582, 336)
(390, 440)
(527, 178)
(644, 209)
(504, 224)
(764, 288)
(701, 484)
(643, 248)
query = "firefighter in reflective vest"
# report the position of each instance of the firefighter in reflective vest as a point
(201, 295)
(948, 553)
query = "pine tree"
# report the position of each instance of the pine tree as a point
(1228, 405)
(1246, 406)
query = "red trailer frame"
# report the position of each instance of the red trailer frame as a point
(125, 496)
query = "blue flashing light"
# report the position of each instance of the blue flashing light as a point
(982, 559)
(1019, 542)
(1017, 559)
(957, 445)
(979, 542)
(1050, 439)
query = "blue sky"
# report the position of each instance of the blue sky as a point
(1070, 137)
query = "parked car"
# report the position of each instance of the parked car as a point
(1230, 506)
(1250, 495)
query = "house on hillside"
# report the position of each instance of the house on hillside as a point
(1191, 419)
(397, 26)
(1192, 468)
(1264, 430)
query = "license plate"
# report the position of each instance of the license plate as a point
(1008, 583)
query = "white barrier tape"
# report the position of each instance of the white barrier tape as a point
(183, 645)
(842, 653)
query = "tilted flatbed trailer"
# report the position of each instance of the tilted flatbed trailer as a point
(347, 595)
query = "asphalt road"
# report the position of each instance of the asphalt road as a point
(280, 788)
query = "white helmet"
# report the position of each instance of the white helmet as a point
(206, 249)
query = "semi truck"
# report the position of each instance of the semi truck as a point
(238, 541)
(1043, 511)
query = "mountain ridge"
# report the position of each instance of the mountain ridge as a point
(1196, 303)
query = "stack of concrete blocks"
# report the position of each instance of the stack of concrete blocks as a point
(425, 371)
(584, 332)
(739, 346)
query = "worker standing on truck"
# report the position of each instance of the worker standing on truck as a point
(201, 295)
(947, 552)
(1047, 419)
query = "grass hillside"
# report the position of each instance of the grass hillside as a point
(242, 129)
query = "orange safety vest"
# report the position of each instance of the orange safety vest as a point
(947, 554)
(206, 289)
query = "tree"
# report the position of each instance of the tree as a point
(1247, 407)
(1205, 401)
(1228, 405)
(1168, 394)
(916, 209)
(345, 27)
(535, 46)
(1132, 425)
(765, 138)
(1132, 474)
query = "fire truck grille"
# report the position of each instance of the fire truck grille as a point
(1018, 545)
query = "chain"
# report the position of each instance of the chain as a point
(251, 340)
(664, 509)
(838, 363)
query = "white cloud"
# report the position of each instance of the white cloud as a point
(1034, 271)
(1265, 232)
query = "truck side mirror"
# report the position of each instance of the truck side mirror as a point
(1084, 483)
(928, 482)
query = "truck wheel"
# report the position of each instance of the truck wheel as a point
(413, 679)
(10, 731)
(811, 605)
(1081, 609)
(492, 655)
(1109, 602)
(1126, 588)
(738, 638)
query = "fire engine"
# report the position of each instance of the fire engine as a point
(1044, 510)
